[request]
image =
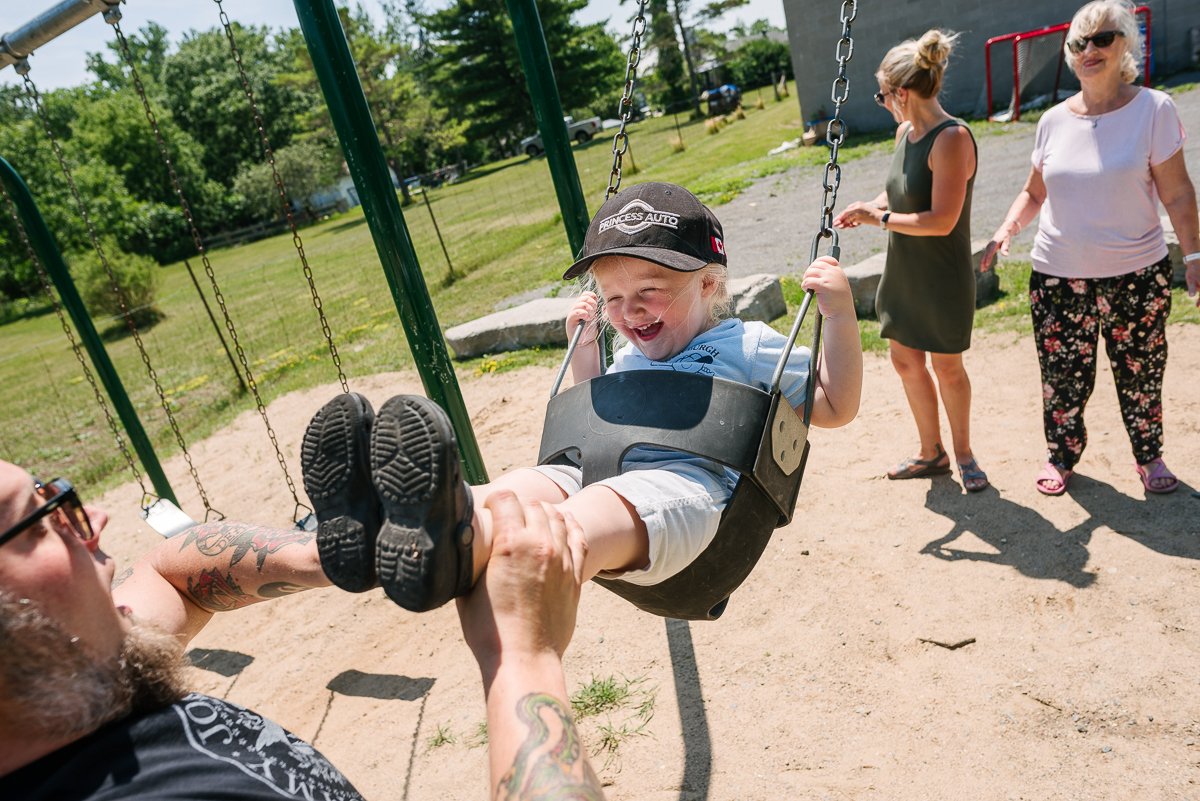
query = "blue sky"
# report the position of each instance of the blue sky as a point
(61, 62)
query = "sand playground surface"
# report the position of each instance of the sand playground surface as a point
(899, 640)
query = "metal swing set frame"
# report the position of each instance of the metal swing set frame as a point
(764, 439)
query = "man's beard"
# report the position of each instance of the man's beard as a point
(51, 687)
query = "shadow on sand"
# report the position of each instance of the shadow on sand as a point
(1026, 541)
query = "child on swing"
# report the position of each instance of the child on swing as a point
(393, 509)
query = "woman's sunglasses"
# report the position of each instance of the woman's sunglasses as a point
(1100, 40)
(60, 496)
(880, 97)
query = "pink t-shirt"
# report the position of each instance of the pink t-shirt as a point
(1100, 218)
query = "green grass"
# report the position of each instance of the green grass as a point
(443, 736)
(626, 707)
(600, 695)
(479, 737)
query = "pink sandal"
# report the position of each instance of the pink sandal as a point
(1157, 478)
(1052, 480)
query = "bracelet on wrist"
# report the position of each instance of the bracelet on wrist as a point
(1191, 257)
(1015, 225)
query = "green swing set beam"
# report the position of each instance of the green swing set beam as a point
(548, 111)
(47, 252)
(338, 78)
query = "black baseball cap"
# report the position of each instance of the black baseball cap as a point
(659, 222)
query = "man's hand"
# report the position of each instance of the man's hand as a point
(524, 605)
(518, 621)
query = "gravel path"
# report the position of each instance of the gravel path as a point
(769, 227)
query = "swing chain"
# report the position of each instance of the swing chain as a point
(122, 300)
(835, 131)
(198, 241)
(297, 242)
(44, 280)
(621, 139)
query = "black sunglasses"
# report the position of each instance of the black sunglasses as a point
(880, 95)
(1101, 40)
(59, 495)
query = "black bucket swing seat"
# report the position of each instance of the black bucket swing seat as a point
(754, 432)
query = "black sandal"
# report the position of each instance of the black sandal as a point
(423, 553)
(333, 459)
(921, 468)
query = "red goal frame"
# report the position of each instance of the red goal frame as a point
(1050, 30)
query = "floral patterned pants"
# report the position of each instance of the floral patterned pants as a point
(1068, 315)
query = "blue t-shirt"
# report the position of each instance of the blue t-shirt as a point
(733, 350)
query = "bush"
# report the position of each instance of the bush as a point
(758, 62)
(137, 277)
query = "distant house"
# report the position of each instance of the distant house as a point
(343, 195)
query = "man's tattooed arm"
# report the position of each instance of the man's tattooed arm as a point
(217, 567)
(551, 762)
(233, 564)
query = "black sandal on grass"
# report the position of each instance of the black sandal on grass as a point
(424, 555)
(333, 458)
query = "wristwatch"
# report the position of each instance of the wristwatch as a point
(883, 220)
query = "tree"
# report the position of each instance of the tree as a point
(204, 92)
(305, 168)
(759, 62)
(668, 85)
(148, 49)
(110, 206)
(136, 276)
(670, 35)
(113, 128)
(478, 71)
(416, 135)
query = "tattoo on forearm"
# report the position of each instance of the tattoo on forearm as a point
(242, 538)
(215, 592)
(543, 769)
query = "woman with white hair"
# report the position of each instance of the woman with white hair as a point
(1102, 159)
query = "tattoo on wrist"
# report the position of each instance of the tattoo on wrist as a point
(551, 763)
(213, 539)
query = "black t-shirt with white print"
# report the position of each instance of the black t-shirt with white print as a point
(200, 748)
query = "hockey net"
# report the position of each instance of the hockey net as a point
(1029, 69)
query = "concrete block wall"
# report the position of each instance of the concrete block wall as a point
(814, 28)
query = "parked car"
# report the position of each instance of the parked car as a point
(581, 132)
(721, 100)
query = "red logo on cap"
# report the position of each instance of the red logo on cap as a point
(718, 246)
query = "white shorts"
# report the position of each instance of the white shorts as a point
(680, 503)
